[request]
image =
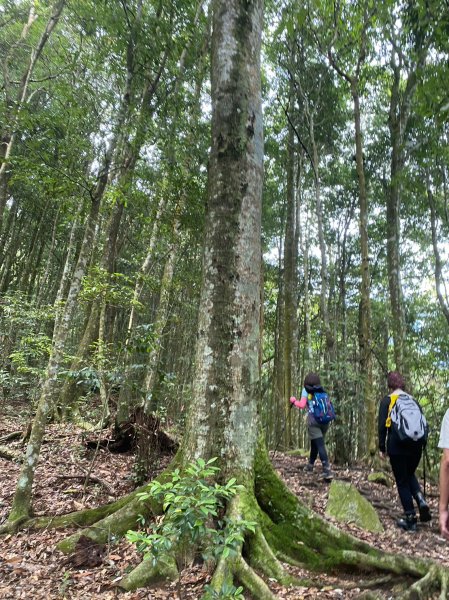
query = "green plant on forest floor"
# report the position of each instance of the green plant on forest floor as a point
(192, 503)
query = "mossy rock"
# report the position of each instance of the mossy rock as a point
(347, 505)
(380, 478)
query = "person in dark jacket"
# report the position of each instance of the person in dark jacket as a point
(316, 431)
(404, 458)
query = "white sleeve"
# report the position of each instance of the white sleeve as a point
(444, 432)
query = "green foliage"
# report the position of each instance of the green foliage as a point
(25, 343)
(193, 505)
(115, 288)
(32, 353)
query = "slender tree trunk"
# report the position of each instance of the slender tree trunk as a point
(143, 457)
(8, 229)
(68, 267)
(440, 284)
(278, 402)
(11, 252)
(342, 385)
(324, 292)
(21, 506)
(36, 238)
(399, 114)
(9, 135)
(160, 321)
(42, 288)
(366, 363)
(290, 287)
(393, 235)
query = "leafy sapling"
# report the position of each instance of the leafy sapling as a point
(193, 505)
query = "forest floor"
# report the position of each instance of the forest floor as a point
(31, 567)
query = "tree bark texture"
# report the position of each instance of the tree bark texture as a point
(223, 417)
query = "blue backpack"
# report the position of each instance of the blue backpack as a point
(321, 408)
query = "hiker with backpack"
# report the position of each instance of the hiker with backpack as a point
(402, 436)
(320, 413)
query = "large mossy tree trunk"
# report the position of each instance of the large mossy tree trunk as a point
(222, 420)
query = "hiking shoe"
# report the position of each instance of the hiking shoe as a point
(308, 468)
(423, 507)
(407, 523)
(327, 475)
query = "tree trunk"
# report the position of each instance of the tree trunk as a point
(143, 457)
(278, 401)
(324, 292)
(366, 363)
(226, 383)
(21, 506)
(9, 135)
(440, 284)
(290, 287)
(399, 114)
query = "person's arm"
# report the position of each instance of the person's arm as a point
(381, 423)
(302, 402)
(444, 494)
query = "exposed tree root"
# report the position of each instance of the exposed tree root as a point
(113, 526)
(252, 581)
(436, 578)
(82, 518)
(286, 530)
(146, 574)
(242, 507)
(395, 563)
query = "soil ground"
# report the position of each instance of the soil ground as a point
(31, 567)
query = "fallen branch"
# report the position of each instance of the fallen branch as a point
(11, 436)
(8, 454)
(90, 478)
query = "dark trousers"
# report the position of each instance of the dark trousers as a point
(317, 446)
(404, 467)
